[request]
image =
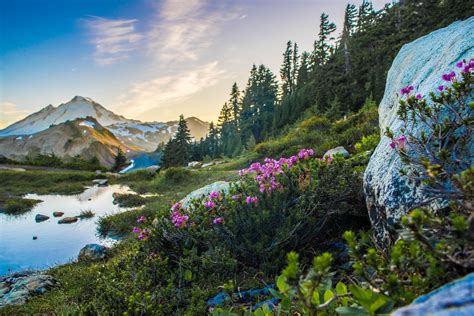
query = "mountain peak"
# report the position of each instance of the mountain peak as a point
(79, 98)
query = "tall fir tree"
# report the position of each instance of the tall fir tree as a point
(350, 16)
(322, 46)
(177, 150)
(286, 71)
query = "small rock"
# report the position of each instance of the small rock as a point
(101, 182)
(153, 168)
(337, 151)
(93, 252)
(41, 218)
(58, 214)
(68, 220)
(193, 164)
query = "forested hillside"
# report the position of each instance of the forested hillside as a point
(345, 68)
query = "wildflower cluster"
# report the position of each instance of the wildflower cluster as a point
(142, 233)
(266, 173)
(212, 199)
(251, 200)
(179, 220)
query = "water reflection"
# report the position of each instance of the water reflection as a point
(55, 243)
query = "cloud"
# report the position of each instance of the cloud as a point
(185, 28)
(10, 113)
(113, 39)
(162, 91)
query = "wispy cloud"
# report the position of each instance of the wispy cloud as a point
(10, 113)
(113, 39)
(185, 28)
(166, 90)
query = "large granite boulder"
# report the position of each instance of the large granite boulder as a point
(455, 298)
(15, 289)
(421, 64)
(219, 186)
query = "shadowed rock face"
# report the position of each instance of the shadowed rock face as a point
(420, 64)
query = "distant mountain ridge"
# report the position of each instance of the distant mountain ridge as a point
(84, 137)
(143, 136)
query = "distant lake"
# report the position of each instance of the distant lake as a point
(56, 243)
(143, 161)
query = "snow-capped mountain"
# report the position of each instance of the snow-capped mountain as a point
(133, 133)
(84, 137)
(78, 107)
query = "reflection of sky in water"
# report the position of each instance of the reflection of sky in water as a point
(56, 243)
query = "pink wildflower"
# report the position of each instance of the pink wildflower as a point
(141, 219)
(251, 200)
(214, 195)
(218, 221)
(178, 219)
(209, 204)
(176, 207)
(406, 90)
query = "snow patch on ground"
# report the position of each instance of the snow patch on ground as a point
(129, 167)
(87, 123)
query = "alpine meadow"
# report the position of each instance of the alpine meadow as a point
(237, 157)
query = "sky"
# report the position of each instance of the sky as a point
(144, 59)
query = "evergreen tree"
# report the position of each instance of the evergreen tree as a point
(120, 161)
(366, 15)
(348, 28)
(295, 67)
(234, 103)
(177, 150)
(258, 104)
(322, 46)
(286, 71)
(303, 70)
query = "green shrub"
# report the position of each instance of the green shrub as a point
(129, 200)
(19, 206)
(177, 175)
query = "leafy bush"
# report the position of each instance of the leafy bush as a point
(176, 175)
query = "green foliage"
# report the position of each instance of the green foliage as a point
(177, 175)
(312, 292)
(129, 200)
(120, 161)
(367, 143)
(177, 151)
(321, 134)
(17, 206)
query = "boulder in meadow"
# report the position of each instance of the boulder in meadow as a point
(420, 64)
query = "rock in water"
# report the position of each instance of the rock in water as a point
(421, 64)
(455, 298)
(337, 151)
(93, 252)
(58, 214)
(41, 218)
(68, 220)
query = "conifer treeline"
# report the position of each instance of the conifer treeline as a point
(333, 79)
